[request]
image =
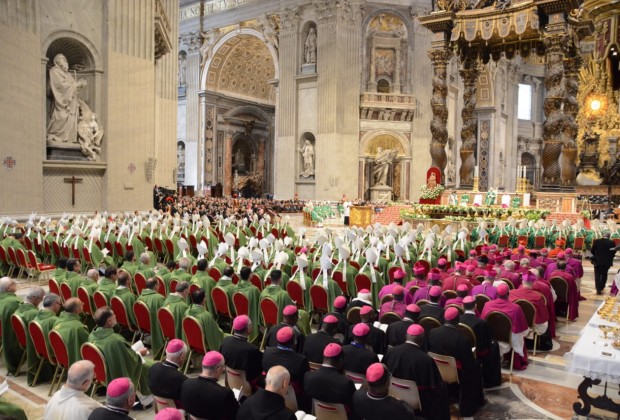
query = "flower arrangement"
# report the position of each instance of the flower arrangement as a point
(586, 214)
(470, 213)
(431, 193)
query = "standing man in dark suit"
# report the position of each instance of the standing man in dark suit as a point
(241, 355)
(328, 384)
(603, 252)
(165, 379)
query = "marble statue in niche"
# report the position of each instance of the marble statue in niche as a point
(307, 155)
(182, 68)
(90, 133)
(450, 168)
(63, 123)
(310, 47)
(383, 160)
(385, 62)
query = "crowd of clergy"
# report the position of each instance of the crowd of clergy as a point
(407, 321)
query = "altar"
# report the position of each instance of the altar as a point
(361, 216)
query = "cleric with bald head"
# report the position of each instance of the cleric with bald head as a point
(70, 401)
(165, 378)
(120, 397)
(268, 403)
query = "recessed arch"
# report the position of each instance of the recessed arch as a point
(72, 45)
(371, 139)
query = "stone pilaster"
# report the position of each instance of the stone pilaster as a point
(194, 115)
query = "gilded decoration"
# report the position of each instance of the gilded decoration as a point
(386, 23)
(385, 62)
(386, 142)
(243, 66)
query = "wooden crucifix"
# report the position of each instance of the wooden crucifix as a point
(73, 180)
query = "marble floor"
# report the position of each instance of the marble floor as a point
(545, 390)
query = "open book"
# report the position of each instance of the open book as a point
(301, 415)
(137, 346)
(382, 327)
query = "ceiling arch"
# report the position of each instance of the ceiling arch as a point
(242, 67)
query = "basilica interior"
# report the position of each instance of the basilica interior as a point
(317, 100)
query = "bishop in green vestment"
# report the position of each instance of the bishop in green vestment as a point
(253, 294)
(46, 318)
(282, 299)
(12, 411)
(73, 277)
(177, 304)
(9, 303)
(213, 333)
(107, 285)
(228, 286)
(27, 311)
(128, 298)
(151, 297)
(204, 281)
(121, 360)
(70, 327)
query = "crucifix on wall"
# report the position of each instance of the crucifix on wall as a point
(73, 180)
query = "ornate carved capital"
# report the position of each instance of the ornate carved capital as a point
(349, 12)
(325, 10)
(439, 57)
(289, 20)
(556, 43)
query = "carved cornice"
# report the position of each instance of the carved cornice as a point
(162, 28)
(348, 12)
(325, 10)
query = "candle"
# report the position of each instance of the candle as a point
(476, 171)
(524, 171)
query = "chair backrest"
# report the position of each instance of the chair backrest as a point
(169, 247)
(429, 323)
(21, 258)
(143, 316)
(91, 352)
(100, 299)
(468, 333)
(362, 281)
(422, 302)
(194, 335)
(53, 286)
(65, 291)
(447, 367)
(318, 296)
(509, 283)
(315, 273)
(162, 402)
(578, 243)
(386, 298)
(529, 310)
(503, 241)
(560, 285)
(85, 299)
(256, 281)
(166, 322)
(241, 303)
(481, 300)
(173, 285)
(118, 247)
(269, 310)
(61, 354)
(296, 293)
(328, 411)
(13, 256)
(220, 301)
(406, 391)
(337, 277)
(539, 242)
(140, 282)
(390, 317)
(119, 309)
(86, 255)
(162, 286)
(19, 327)
(449, 294)
(38, 340)
(357, 378)
(500, 325)
(236, 379)
(3, 255)
(353, 315)
(215, 273)
(314, 365)
(457, 307)
(290, 400)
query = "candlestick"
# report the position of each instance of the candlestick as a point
(476, 171)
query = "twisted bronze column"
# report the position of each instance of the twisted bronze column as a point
(439, 130)
(552, 128)
(469, 73)
(570, 126)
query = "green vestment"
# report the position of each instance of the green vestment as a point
(154, 301)
(253, 294)
(10, 348)
(282, 299)
(73, 332)
(177, 305)
(206, 283)
(128, 299)
(107, 287)
(27, 312)
(11, 410)
(74, 280)
(212, 331)
(121, 360)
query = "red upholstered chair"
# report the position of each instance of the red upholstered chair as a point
(256, 281)
(53, 286)
(65, 291)
(48, 251)
(100, 299)
(160, 250)
(119, 309)
(140, 282)
(220, 302)
(120, 252)
(315, 273)
(61, 355)
(337, 277)
(193, 287)
(22, 263)
(579, 243)
(37, 266)
(86, 300)
(195, 338)
(169, 249)
(20, 332)
(391, 272)
(355, 264)
(362, 281)
(40, 348)
(296, 293)
(162, 286)
(91, 352)
(28, 243)
(271, 315)
(148, 242)
(318, 296)
(166, 322)
(215, 274)
(76, 254)
(14, 263)
(242, 304)
(539, 242)
(143, 317)
(4, 257)
(173, 285)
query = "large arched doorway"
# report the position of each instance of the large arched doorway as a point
(238, 110)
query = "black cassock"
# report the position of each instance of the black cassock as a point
(448, 341)
(408, 361)
(487, 350)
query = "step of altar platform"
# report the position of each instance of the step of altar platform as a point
(560, 217)
(390, 214)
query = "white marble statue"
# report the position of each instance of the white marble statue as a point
(239, 159)
(90, 133)
(310, 47)
(450, 167)
(383, 161)
(270, 31)
(63, 125)
(307, 154)
(182, 69)
(209, 40)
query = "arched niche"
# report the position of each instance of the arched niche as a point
(307, 67)
(529, 161)
(180, 162)
(244, 154)
(307, 155)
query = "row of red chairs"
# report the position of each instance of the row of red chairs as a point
(23, 262)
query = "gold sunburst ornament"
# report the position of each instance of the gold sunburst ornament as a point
(596, 105)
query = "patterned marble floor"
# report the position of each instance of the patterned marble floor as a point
(543, 391)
